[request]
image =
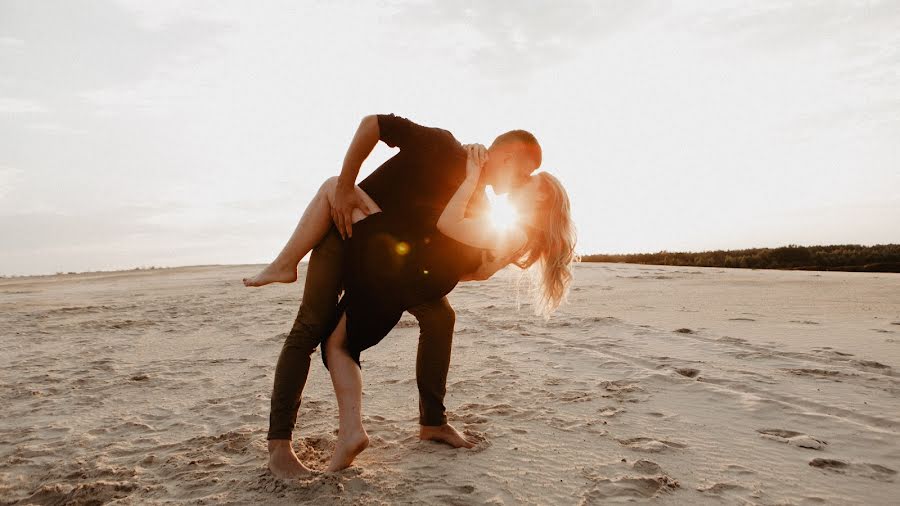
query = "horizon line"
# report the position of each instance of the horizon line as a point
(161, 267)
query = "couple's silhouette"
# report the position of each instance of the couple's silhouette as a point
(400, 241)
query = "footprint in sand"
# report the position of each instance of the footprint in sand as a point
(623, 391)
(688, 372)
(610, 411)
(724, 489)
(450, 494)
(645, 466)
(573, 396)
(820, 373)
(738, 470)
(100, 492)
(871, 364)
(828, 350)
(794, 438)
(864, 469)
(650, 445)
(619, 487)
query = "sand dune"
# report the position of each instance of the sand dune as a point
(667, 384)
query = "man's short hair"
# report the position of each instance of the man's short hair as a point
(526, 141)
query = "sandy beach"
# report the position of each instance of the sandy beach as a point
(670, 385)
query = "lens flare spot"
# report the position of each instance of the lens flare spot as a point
(503, 214)
(401, 248)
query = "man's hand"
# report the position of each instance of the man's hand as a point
(342, 205)
(345, 198)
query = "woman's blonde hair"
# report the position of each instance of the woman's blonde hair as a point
(551, 245)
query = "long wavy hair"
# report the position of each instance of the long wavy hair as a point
(550, 246)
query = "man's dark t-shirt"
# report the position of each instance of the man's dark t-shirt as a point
(397, 259)
(420, 179)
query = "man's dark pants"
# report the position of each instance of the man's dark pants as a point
(316, 317)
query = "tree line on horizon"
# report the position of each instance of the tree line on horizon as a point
(842, 257)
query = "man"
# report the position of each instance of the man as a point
(418, 181)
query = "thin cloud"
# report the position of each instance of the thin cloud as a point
(91, 44)
(8, 178)
(54, 128)
(515, 39)
(11, 43)
(21, 106)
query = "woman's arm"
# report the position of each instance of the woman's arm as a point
(476, 232)
(488, 267)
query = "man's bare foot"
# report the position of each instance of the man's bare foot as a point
(444, 434)
(283, 462)
(273, 273)
(347, 449)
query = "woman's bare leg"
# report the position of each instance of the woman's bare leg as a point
(347, 380)
(311, 229)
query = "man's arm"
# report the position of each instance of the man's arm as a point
(345, 197)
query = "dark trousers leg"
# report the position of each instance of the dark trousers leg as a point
(436, 321)
(314, 320)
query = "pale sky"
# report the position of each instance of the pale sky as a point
(163, 133)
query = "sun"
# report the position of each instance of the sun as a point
(503, 214)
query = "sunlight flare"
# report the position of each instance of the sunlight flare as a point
(503, 214)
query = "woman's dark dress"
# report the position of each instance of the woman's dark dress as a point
(390, 265)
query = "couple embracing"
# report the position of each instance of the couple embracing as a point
(400, 241)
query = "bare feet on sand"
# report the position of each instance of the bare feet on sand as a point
(283, 462)
(444, 434)
(273, 273)
(347, 449)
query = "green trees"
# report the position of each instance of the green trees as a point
(843, 257)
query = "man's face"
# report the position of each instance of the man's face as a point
(504, 170)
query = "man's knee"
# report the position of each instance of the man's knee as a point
(447, 316)
(304, 341)
(307, 332)
(438, 316)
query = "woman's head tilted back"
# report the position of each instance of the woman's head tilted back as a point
(545, 209)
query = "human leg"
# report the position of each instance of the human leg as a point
(310, 230)
(347, 381)
(314, 320)
(436, 322)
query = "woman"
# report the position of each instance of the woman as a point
(391, 266)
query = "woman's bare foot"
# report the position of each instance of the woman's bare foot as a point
(273, 273)
(444, 434)
(283, 462)
(347, 449)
